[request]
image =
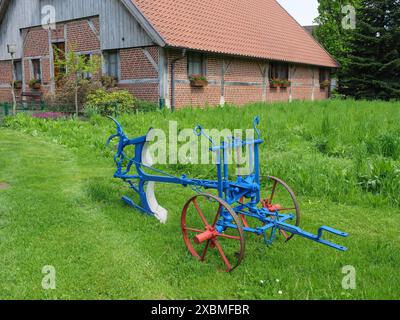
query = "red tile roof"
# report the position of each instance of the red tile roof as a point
(251, 28)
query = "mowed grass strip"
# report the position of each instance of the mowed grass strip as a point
(63, 208)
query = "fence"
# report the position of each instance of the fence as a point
(35, 109)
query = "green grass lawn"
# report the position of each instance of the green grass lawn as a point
(63, 208)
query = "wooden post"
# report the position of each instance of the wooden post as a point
(313, 85)
(264, 73)
(12, 86)
(224, 69)
(51, 63)
(292, 71)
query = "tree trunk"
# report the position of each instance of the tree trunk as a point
(76, 101)
(14, 100)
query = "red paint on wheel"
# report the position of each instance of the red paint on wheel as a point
(203, 237)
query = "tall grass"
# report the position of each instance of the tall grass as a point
(344, 151)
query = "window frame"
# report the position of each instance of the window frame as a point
(59, 71)
(86, 75)
(324, 75)
(276, 71)
(201, 60)
(37, 63)
(18, 74)
(107, 64)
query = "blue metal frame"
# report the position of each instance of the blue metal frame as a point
(231, 191)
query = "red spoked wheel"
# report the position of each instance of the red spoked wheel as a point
(282, 199)
(200, 218)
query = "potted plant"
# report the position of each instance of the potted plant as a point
(17, 85)
(275, 83)
(325, 84)
(286, 83)
(35, 84)
(198, 80)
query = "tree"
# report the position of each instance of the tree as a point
(77, 69)
(333, 26)
(373, 67)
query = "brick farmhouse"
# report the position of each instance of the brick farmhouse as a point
(155, 47)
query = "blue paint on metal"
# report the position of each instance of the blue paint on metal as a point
(231, 191)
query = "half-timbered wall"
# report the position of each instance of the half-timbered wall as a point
(118, 28)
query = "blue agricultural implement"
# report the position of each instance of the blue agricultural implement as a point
(214, 224)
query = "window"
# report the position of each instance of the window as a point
(59, 58)
(324, 75)
(36, 69)
(86, 75)
(279, 71)
(196, 64)
(111, 59)
(18, 70)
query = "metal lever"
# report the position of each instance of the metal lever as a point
(199, 131)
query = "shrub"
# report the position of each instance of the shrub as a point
(146, 106)
(64, 98)
(109, 82)
(110, 103)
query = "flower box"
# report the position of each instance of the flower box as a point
(35, 84)
(325, 84)
(274, 84)
(17, 85)
(286, 84)
(198, 81)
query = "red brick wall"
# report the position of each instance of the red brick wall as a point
(135, 65)
(5, 74)
(138, 75)
(36, 42)
(58, 34)
(80, 37)
(5, 81)
(186, 95)
(243, 83)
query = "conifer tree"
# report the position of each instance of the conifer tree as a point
(372, 70)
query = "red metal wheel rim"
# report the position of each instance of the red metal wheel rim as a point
(208, 235)
(294, 205)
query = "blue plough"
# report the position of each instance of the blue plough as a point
(218, 221)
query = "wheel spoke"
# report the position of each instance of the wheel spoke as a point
(221, 235)
(273, 191)
(223, 256)
(218, 214)
(285, 235)
(196, 205)
(244, 221)
(206, 233)
(194, 230)
(290, 205)
(205, 250)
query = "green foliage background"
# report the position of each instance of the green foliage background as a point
(370, 54)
